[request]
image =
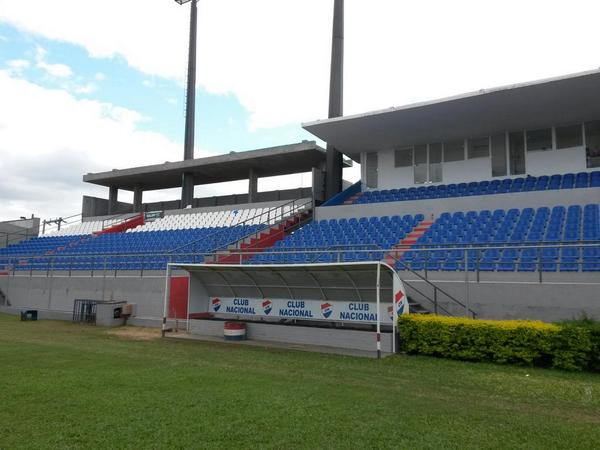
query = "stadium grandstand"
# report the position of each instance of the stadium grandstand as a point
(484, 204)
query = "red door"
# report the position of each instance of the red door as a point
(178, 297)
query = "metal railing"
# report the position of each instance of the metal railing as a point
(269, 218)
(473, 257)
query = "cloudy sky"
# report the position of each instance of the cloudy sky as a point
(87, 86)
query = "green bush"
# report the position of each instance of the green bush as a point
(593, 328)
(531, 343)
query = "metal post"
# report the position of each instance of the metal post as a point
(466, 284)
(377, 295)
(166, 300)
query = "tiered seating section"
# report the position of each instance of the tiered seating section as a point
(250, 216)
(359, 240)
(511, 228)
(82, 228)
(172, 238)
(508, 185)
(562, 239)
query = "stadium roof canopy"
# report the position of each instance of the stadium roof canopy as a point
(266, 162)
(553, 101)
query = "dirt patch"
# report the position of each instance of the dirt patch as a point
(136, 333)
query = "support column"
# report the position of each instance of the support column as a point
(333, 182)
(138, 193)
(187, 193)
(252, 187)
(113, 198)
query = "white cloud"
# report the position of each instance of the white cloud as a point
(49, 139)
(17, 66)
(88, 88)
(99, 76)
(273, 55)
(54, 70)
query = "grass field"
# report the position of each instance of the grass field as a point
(64, 385)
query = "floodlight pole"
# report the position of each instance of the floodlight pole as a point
(333, 175)
(187, 181)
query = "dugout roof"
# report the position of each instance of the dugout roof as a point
(354, 282)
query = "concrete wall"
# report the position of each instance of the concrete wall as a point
(494, 295)
(329, 337)
(501, 296)
(435, 207)
(94, 206)
(14, 231)
(58, 293)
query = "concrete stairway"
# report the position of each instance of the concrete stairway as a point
(405, 244)
(123, 226)
(265, 239)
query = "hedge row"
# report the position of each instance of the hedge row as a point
(532, 343)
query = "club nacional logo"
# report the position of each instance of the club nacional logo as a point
(399, 298)
(326, 310)
(216, 304)
(267, 306)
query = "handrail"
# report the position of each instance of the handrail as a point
(405, 267)
(436, 306)
(243, 223)
(389, 253)
(284, 218)
(314, 249)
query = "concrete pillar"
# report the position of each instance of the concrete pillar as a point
(138, 193)
(252, 187)
(187, 191)
(113, 198)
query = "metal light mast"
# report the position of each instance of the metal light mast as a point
(333, 180)
(187, 182)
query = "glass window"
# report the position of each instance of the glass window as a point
(539, 140)
(592, 143)
(570, 136)
(420, 167)
(454, 151)
(499, 155)
(403, 157)
(435, 163)
(478, 148)
(516, 148)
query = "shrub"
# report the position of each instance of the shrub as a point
(506, 342)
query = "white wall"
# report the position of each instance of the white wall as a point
(571, 160)
(550, 162)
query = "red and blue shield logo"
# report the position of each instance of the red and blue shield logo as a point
(216, 304)
(326, 310)
(267, 306)
(400, 303)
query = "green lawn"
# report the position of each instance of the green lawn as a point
(65, 385)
